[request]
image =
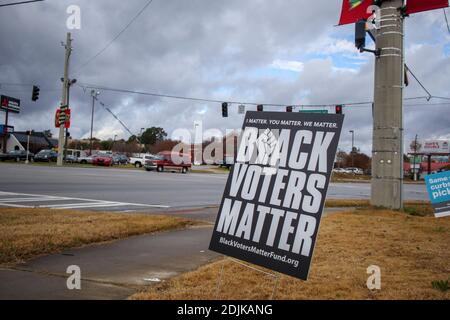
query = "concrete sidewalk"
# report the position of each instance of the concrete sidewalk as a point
(110, 271)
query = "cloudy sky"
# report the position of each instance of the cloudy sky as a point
(278, 51)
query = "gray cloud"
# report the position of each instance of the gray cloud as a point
(205, 48)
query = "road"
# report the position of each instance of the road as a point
(123, 189)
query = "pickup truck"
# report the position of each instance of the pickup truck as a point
(139, 162)
(167, 160)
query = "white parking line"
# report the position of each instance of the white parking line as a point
(83, 203)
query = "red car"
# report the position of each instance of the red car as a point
(170, 161)
(102, 160)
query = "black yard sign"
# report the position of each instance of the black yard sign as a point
(275, 193)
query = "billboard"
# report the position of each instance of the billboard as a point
(275, 193)
(431, 147)
(438, 186)
(10, 104)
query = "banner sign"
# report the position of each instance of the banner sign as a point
(276, 190)
(10, 104)
(438, 186)
(355, 10)
(62, 117)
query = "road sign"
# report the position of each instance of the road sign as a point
(275, 193)
(10, 104)
(438, 186)
(314, 111)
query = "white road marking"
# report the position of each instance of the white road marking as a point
(84, 203)
(31, 199)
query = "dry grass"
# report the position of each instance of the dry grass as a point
(26, 233)
(411, 251)
(416, 208)
(347, 177)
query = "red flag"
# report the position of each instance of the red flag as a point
(354, 10)
(414, 6)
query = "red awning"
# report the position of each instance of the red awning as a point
(414, 6)
(355, 10)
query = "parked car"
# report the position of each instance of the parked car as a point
(341, 170)
(170, 161)
(120, 159)
(102, 160)
(71, 159)
(17, 155)
(46, 156)
(353, 170)
(85, 160)
(139, 162)
(227, 162)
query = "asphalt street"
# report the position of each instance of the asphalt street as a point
(131, 190)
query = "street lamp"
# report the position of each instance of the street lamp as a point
(353, 148)
(114, 141)
(94, 97)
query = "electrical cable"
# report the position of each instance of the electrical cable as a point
(115, 38)
(446, 20)
(178, 97)
(21, 2)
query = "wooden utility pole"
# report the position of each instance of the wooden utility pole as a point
(387, 157)
(68, 46)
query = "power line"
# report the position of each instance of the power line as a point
(113, 114)
(178, 97)
(116, 37)
(446, 20)
(420, 83)
(21, 2)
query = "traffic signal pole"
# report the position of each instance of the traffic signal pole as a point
(387, 153)
(68, 46)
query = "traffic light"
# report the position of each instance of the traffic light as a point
(289, 109)
(35, 95)
(360, 34)
(225, 110)
(260, 108)
(339, 109)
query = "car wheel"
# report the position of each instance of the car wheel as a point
(160, 169)
(184, 170)
(138, 165)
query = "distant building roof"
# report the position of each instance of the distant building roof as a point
(38, 141)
